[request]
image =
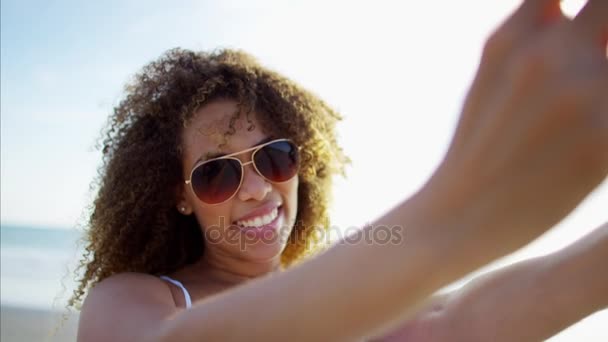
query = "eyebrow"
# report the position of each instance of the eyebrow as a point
(213, 155)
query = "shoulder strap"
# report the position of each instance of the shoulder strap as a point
(181, 286)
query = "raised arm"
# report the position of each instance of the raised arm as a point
(530, 145)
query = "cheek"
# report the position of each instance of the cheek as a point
(289, 191)
(212, 216)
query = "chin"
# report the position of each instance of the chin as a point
(263, 250)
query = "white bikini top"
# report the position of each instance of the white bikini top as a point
(181, 286)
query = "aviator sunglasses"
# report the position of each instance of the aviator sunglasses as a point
(217, 180)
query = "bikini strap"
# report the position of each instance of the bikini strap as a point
(181, 286)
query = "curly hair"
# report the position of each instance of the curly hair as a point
(133, 225)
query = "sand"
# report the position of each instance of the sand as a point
(19, 324)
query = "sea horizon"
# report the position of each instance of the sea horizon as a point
(37, 265)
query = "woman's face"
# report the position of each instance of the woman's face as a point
(230, 228)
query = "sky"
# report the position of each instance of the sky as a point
(64, 65)
(397, 71)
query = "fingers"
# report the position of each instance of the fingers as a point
(527, 19)
(522, 24)
(594, 18)
(533, 13)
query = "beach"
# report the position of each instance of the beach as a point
(21, 324)
(36, 282)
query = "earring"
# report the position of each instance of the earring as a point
(182, 209)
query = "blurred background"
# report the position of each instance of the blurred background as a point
(397, 70)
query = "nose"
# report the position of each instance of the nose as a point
(254, 185)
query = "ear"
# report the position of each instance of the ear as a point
(183, 205)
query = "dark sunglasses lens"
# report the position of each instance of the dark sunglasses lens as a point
(216, 181)
(278, 162)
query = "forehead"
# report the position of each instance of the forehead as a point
(206, 133)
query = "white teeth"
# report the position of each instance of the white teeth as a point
(260, 220)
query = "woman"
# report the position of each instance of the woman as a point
(216, 175)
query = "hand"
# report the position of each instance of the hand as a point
(532, 140)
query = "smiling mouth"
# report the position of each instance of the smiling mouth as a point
(260, 221)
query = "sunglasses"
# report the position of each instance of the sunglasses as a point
(217, 180)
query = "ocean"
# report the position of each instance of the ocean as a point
(37, 266)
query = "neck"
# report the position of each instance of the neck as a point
(232, 271)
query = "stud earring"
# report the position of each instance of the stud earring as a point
(182, 209)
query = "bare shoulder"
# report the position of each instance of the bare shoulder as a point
(125, 306)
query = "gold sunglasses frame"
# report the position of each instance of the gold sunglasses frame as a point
(255, 149)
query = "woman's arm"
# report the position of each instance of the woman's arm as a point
(534, 299)
(529, 146)
(530, 300)
(346, 293)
